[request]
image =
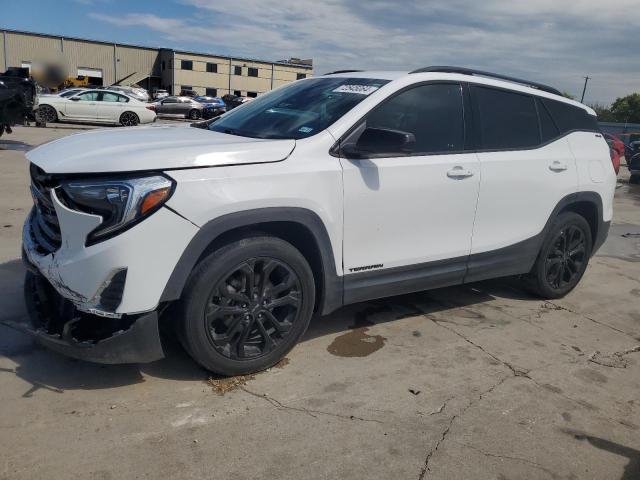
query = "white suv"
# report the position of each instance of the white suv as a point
(325, 192)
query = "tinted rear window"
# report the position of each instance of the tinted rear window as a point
(568, 118)
(505, 120)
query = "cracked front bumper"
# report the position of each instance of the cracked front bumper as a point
(58, 325)
(130, 270)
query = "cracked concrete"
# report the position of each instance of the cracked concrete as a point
(508, 388)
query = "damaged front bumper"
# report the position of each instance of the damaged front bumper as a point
(58, 325)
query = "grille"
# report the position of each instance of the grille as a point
(45, 228)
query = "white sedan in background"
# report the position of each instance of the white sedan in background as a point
(96, 106)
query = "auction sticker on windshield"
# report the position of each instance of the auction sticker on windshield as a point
(359, 89)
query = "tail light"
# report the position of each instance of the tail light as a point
(151, 107)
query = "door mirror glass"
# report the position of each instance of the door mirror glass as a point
(380, 141)
(75, 99)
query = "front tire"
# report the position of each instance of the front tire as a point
(129, 119)
(563, 257)
(47, 114)
(246, 305)
(194, 114)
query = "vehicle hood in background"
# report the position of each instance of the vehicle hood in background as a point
(156, 147)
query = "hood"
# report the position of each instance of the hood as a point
(158, 147)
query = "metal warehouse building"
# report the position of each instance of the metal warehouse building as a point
(107, 63)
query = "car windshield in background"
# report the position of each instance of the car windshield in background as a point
(208, 99)
(299, 110)
(69, 93)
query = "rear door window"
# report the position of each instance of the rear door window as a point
(504, 120)
(88, 97)
(110, 97)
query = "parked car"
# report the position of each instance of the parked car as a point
(634, 169)
(18, 98)
(233, 101)
(615, 147)
(325, 192)
(615, 143)
(213, 106)
(615, 159)
(96, 106)
(634, 162)
(68, 92)
(160, 94)
(180, 106)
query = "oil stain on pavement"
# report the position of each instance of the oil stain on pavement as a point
(357, 342)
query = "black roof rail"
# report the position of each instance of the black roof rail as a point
(342, 71)
(481, 73)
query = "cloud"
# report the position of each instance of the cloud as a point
(546, 40)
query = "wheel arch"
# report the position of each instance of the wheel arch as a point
(55, 108)
(128, 111)
(589, 206)
(301, 227)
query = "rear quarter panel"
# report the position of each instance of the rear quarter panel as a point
(595, 169)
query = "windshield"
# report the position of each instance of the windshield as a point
(299, 110)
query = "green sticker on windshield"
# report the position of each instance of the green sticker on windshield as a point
(305, 129)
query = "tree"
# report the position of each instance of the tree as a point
(627, 109)
(604, 113)
(568, 95)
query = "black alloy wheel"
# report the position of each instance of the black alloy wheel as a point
(129, 119)
(565, 259)
(246, 305)
(194, 114)
(253, 308)
(47, 114)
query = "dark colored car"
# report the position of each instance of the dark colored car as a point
(213, 106)
(232, 101)
(180, 106)
(18, 98)
(634, 162)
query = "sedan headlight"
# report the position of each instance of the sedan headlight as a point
(120, 202)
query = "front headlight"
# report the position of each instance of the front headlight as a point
(120, 202)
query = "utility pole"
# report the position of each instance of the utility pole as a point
(586, 79)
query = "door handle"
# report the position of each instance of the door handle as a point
(558, 166)
(459, 173)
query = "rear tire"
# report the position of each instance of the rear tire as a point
(563, 257)
(634, 179)
(129, 119)
(194, 114)
(246, 305)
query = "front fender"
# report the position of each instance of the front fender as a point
(331, 298)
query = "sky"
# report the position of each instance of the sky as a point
(556, 42)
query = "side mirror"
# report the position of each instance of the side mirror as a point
(75, 99)
(380, 141)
